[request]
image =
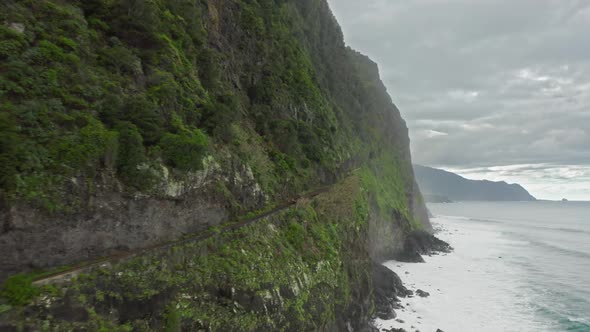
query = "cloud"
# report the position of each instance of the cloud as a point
(545, 181)
(507, 82)
(429, 133)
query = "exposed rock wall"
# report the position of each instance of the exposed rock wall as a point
(302, 269)
(113, 221)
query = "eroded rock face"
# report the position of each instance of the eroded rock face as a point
(420, 243)
(387, 288)
(394, 330)
(255, 278)
(114, 222)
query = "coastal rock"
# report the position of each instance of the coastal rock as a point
(394, 330)
(8, 328)
(370, 327)
(422, 293)
(387, 314)
(420, 243)
(387, 287)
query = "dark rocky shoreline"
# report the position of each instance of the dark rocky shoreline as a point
(420, 243)
(388, 287)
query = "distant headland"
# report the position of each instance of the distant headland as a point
(440, 186)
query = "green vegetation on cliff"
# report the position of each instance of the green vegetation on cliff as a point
(128, 123)
(126, 86)
(161, 76)
(302, 269)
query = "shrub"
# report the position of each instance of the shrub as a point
(121, 59)
(8, 152)
(109, 109)
(18, 290)
(172, 319)
(47, 52)
(184, 151)
(295, 234)
(285, 136)
(217, 117)
(164, 89)
(92, 144)
(310, 142)
(251, 21)
(208, 68)
(66, 42)
(283, 162)
(143, 113)
(131, 155)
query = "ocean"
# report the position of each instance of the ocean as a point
(517, 266)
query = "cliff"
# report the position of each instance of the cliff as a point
(129, 124)
(439, 185)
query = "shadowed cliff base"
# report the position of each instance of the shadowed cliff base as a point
(419, 243)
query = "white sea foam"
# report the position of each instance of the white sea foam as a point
(471, 289)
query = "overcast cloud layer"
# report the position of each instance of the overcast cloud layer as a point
(489, 88)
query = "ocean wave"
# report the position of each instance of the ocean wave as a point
(516, 224)
(557, 229)
(565, 321)
(567, 230)
(562, 250)
(578, 320)
(492, 221)
(570, 323)
(442, 216)
(461, 218)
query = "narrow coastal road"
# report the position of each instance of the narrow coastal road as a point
(106, 261)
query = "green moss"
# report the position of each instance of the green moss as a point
(18, 290)
(5, 308)
(185, 150)
(131, 156)
(387, 179)
(295, 234)
(172, 319)
(9, 152)
(92, 144)
(150, 65)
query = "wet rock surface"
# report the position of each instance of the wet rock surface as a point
(420, 243)
(393, 330)
(388, 287)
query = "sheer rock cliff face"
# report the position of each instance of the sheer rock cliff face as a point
(129, 124)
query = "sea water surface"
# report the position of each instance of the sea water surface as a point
(517, 266)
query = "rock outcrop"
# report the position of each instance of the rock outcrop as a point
(419, 243)
(387, 288)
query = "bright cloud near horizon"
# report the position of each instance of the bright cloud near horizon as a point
(495, 89)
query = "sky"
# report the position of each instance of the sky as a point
(494, 89)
